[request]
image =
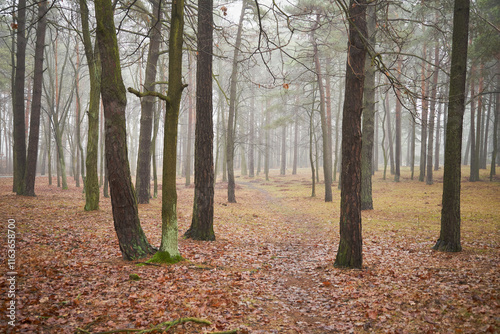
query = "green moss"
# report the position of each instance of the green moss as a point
(134, 277)
(164, 257)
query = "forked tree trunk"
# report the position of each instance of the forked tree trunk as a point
(131, 237)
(350, 246)
(449, 238)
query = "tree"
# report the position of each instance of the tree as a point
(231, 197)
(203, 207)
(449, 238)
(349, 253)
(29, 178)
(169, 235)
(143, 179)
(18, 101)
(131, 237)
(327, 142)
(94, 64)
(368, 117)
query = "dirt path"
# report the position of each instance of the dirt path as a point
(296, 271)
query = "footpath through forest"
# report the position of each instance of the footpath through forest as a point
(269, 271)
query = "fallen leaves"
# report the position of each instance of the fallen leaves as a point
(270, 269)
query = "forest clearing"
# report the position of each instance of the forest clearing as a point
(270, 269)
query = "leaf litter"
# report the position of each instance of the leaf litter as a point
(269, 271)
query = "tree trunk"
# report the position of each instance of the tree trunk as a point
(474, 163)
(169, 235)
(368, 118)
(94, 64)
(283, 151)
(449, 238)
(311, 158)
(495, 129)
(327, 143)
(295, 143)
(203, 207)
(251, 154)
(397, 162)
(143, 174)
(131, 237)
(389, 133)
(29, 181)
(19, 129)
(438, 137)
(231, 197)
(430, 146)
(423, 134)
(350, 246)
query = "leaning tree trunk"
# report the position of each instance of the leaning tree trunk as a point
(350, 246)
(203, 207)
(449, 238)
(143, 179)
(29, 181)
(231, 196)
(131, 237)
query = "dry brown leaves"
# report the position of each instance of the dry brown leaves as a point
(270, 269)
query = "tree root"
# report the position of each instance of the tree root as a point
(164, 326)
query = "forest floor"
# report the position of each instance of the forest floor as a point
(270, 269)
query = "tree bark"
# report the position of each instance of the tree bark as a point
(19, 129)
(29, 180)
(169, 235)
(327, 143)
(423, 134)
(94, 64)
(203, 207)
(368, 117)
(143, 175)
(350, 246)
(131, 237)
(449, 238)
(231, 196)
(430, 146)
(397, 162)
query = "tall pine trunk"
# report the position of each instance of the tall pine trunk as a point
(368, 117)
(29, 180)
(231, 196)
(449, 238)
(143, 175)
(350, 246)
(19, 129)
(203, 207)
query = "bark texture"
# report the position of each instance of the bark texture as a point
(449, 238)
(350, 247)
(131, 237)
(143, 179)
(29, 181)
(203, 207)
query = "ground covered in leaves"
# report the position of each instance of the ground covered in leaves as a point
(270, 269)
